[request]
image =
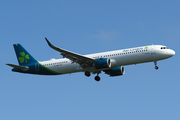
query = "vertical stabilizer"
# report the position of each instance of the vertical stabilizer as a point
(23, 56)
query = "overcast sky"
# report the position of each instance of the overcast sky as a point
(86, 27)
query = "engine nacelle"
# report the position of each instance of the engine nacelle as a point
(102, 63)
(117, 71)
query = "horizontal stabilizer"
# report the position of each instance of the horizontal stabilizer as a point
(18, 67)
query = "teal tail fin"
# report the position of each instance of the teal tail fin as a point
(23, 56)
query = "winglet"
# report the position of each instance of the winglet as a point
(48, 42)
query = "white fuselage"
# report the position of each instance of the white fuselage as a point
(118, 58)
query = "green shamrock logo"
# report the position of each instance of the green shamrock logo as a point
(23, 58)
(145, 47)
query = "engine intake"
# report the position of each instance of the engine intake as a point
(102, 63)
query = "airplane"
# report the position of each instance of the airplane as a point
(112, 62)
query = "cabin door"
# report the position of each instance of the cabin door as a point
(153, 52)
(37, 66)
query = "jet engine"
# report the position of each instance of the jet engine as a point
(117, 71)
(102, 63)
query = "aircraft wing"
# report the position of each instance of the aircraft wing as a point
(83, 61)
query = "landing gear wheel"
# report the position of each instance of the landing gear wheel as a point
(155, 63)
(97, 78)
(156, 67)
(87, 73)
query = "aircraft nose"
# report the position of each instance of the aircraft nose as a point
(171, 52)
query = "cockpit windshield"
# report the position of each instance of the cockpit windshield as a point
(164, 48)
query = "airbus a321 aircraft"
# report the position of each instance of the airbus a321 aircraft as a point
(111, 62)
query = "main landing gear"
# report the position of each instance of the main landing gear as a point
(156, 67)
(87, 73)
(97, 78)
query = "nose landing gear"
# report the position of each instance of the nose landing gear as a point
(156, 67)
